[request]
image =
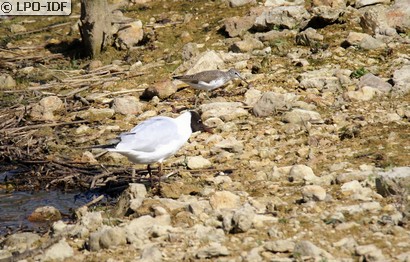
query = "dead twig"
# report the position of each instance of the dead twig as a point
(42, 29)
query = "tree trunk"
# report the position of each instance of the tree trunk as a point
(95, 26)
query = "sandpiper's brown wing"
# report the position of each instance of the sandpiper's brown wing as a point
(204, 76)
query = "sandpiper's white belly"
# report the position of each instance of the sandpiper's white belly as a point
(208, 86)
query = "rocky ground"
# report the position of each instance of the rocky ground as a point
(310, 162)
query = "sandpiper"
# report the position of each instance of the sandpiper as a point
(209, 80)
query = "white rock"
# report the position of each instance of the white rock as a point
(365, 93)
(21, 242)
(355, 190)
(370, 253)
(59, 251)
(307, 248)
(252, 96)
(45, 109)
(214, 249)
(301, 116)
(281, 246)
(198, 162)
(224, 200)
(313, 192)
(237, 3)
(107, 237)
(127, 105)
(298, 173)
(151, 253)
(130, 36)
(6, 81)
(226, 111)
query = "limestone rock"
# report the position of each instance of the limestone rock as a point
(6, 81)
(313, 192)
(271, 102)
(363, 40)
(214, 249)
(238, 26)
(226, 111)
(198, 162)
(224, 200)
(246, 45)
(21, 242)
(45, 213)
(308, 249)
(376, 82)
(46, 108)
(237, 3)
(401, 79)
(127, 105)
(281, 246)
(59, 251)
(301, 116)
(288, 17)
(162, 89)
(130, 36)
(96, 114)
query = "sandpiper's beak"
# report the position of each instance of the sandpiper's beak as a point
(243, 79)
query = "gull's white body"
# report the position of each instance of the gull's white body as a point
(155, 139)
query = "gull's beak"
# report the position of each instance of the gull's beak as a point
(207, 129)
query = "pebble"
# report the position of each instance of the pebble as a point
(370, 253)
(224, 200)
(308, 249)
(214, 249)
(301, 117)
(313, 193)
(59, 251)
(130, 36)
(21, 242)
(301, 173)
(127, 105)
(280, 246)
(107, 237)
(226, 111)
(270, 102)
(6, 81)
(198, 162)
(151, 253)
(46, 108)
(45, 213)
(96, 114)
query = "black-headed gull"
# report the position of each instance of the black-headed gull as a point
(158, 138)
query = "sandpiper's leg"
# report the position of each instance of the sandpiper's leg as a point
(196, 97)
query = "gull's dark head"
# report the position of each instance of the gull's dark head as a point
(196, 123)
(233, 73)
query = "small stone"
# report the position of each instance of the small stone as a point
(189, 50)
(308, 249)
(226, 111)
(21, 242)
(209, 60)
(370, 253)
(362, 3)
(300, 173)
(355, 190)
(131, 199)
(46, 108)
(252, 96)
(92, 220)
(362, 40)
(401, 79)
(130, 36)
(16, 28)
(162, 89)
(198, 162)
(365, 93)
(96, 114)
(242, 219)
(271, 102)
(45, 213)
(246, 45)
(59, 251)
(127, 105)
(6, 256)
(237, 3)
(6, 81)
(224, 200)
(309, 37)
(237, 26)
(212, 250)
(107, 237)
(373, 81)
(301, 116)
(151, 253)
(313, 192)
(280, 246)
(94, 64)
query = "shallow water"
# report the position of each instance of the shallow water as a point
(16, 207)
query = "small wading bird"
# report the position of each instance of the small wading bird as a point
(157, 139)
(209, 80)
